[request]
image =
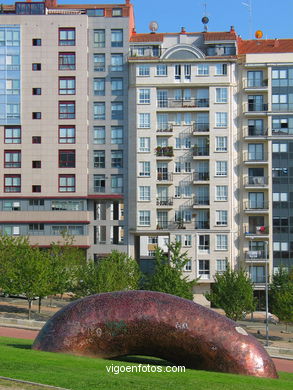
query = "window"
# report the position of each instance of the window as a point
(36, 115)
(36, 164)
(95, 12)
(221, 168)
(66, 110)
(162, 70)
(66, 85)
(99, 111)
(66, 158)
(221, 265)
(66, 36)
(99, 158)
(187, 240)
(222, 242)
(35, 227)
(12, 183)
(221, 217)
(99, 38)
(116, 184)
(177, 70)
(221, 144)
(13, 111)
(12, 158)
(221, 69)
(280, 197)
(37, 91)
(12, 37)
(9, 205)
(99, 86)
(36, 139)
(66, 183)
(99, 183)
(12, 87)
(36, 66)
(144, 218)
(152, 239)
(99, 63)
(116, 62)
(188, 266)
(203, 243)
(117, 86)
(144, 168)
(221, 119)
(37, 42)
(187, 72)
(144, 193)
(203, 70)
(143, 70)
(204, 269)
(117, 12)
(279, 74)
(117, 38)
(36, 188)
(66, 134)
(99, 135)
(144, 120)
(116, 158)
(144, 144)
(144, 96)
(116, 135)
(12, 62)
(117, 110)
(66, 61)
(222, 193)
(11, 230)
(12, 135)
(221, 95)
(256, 152)
(280, 148)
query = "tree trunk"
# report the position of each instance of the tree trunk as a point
(29, 308)
(40, 304)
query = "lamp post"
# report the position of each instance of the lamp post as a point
(267, 293)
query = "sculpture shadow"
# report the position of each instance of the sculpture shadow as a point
(22, 346)
(154, 361)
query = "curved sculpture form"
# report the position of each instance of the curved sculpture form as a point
(156, 324)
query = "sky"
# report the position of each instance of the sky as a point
(272, 17)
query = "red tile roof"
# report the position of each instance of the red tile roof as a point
(265, 46)
(220, 36)
(155, 37)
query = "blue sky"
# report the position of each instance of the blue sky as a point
(273, 17)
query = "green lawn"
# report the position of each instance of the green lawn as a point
(80, 373)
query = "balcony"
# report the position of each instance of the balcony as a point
(201, 176)
(164, 177)
(201, 201)
(165, 128)
(164, 151)
(200, 151)
(256, 206)
(202, 224)
(255, 107)
(164, 202)
(256, 181)
(171, 225)
(254, 131)
(183, 103)
(255, 158)
(255, 84)
(253, 230)
(257, 255)
(201, 127)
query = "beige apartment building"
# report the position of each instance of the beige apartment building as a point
(129, 141)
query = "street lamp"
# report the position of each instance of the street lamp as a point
(267, 293)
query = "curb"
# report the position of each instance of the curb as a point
(23, 324)
(32, 383)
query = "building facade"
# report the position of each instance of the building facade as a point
(132, 141)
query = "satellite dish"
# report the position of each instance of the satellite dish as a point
(258, 34)
(153, 26)
(205, 20)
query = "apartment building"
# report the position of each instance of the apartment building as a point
(64, 113)
(131, 141)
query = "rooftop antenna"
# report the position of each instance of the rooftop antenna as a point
(205, 19)
(248, 4)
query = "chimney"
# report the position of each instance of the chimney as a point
(232, 29)
(127, 2)
(51, 3)
(183, 31)
(276, 42)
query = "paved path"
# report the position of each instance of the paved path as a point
(281, 364)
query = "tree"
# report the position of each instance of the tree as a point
(281, 295)
(115, 272)
(233, 292)
(168, 273)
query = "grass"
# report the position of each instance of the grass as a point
(80, 373)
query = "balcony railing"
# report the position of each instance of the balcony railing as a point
(256, 181)
(201, 176)
(258, 279)
(255, 83)
(171, 225)
(200, 151)
(256, 255)
(255, 205)
(164, 201)
(165, 128)
(257, 107)
(201, 200)
(253, 131)
(164, 176)
(202, 224)
(255, 157)
(256, 230)
(181, 103)
(164, 151)
(201, 127)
